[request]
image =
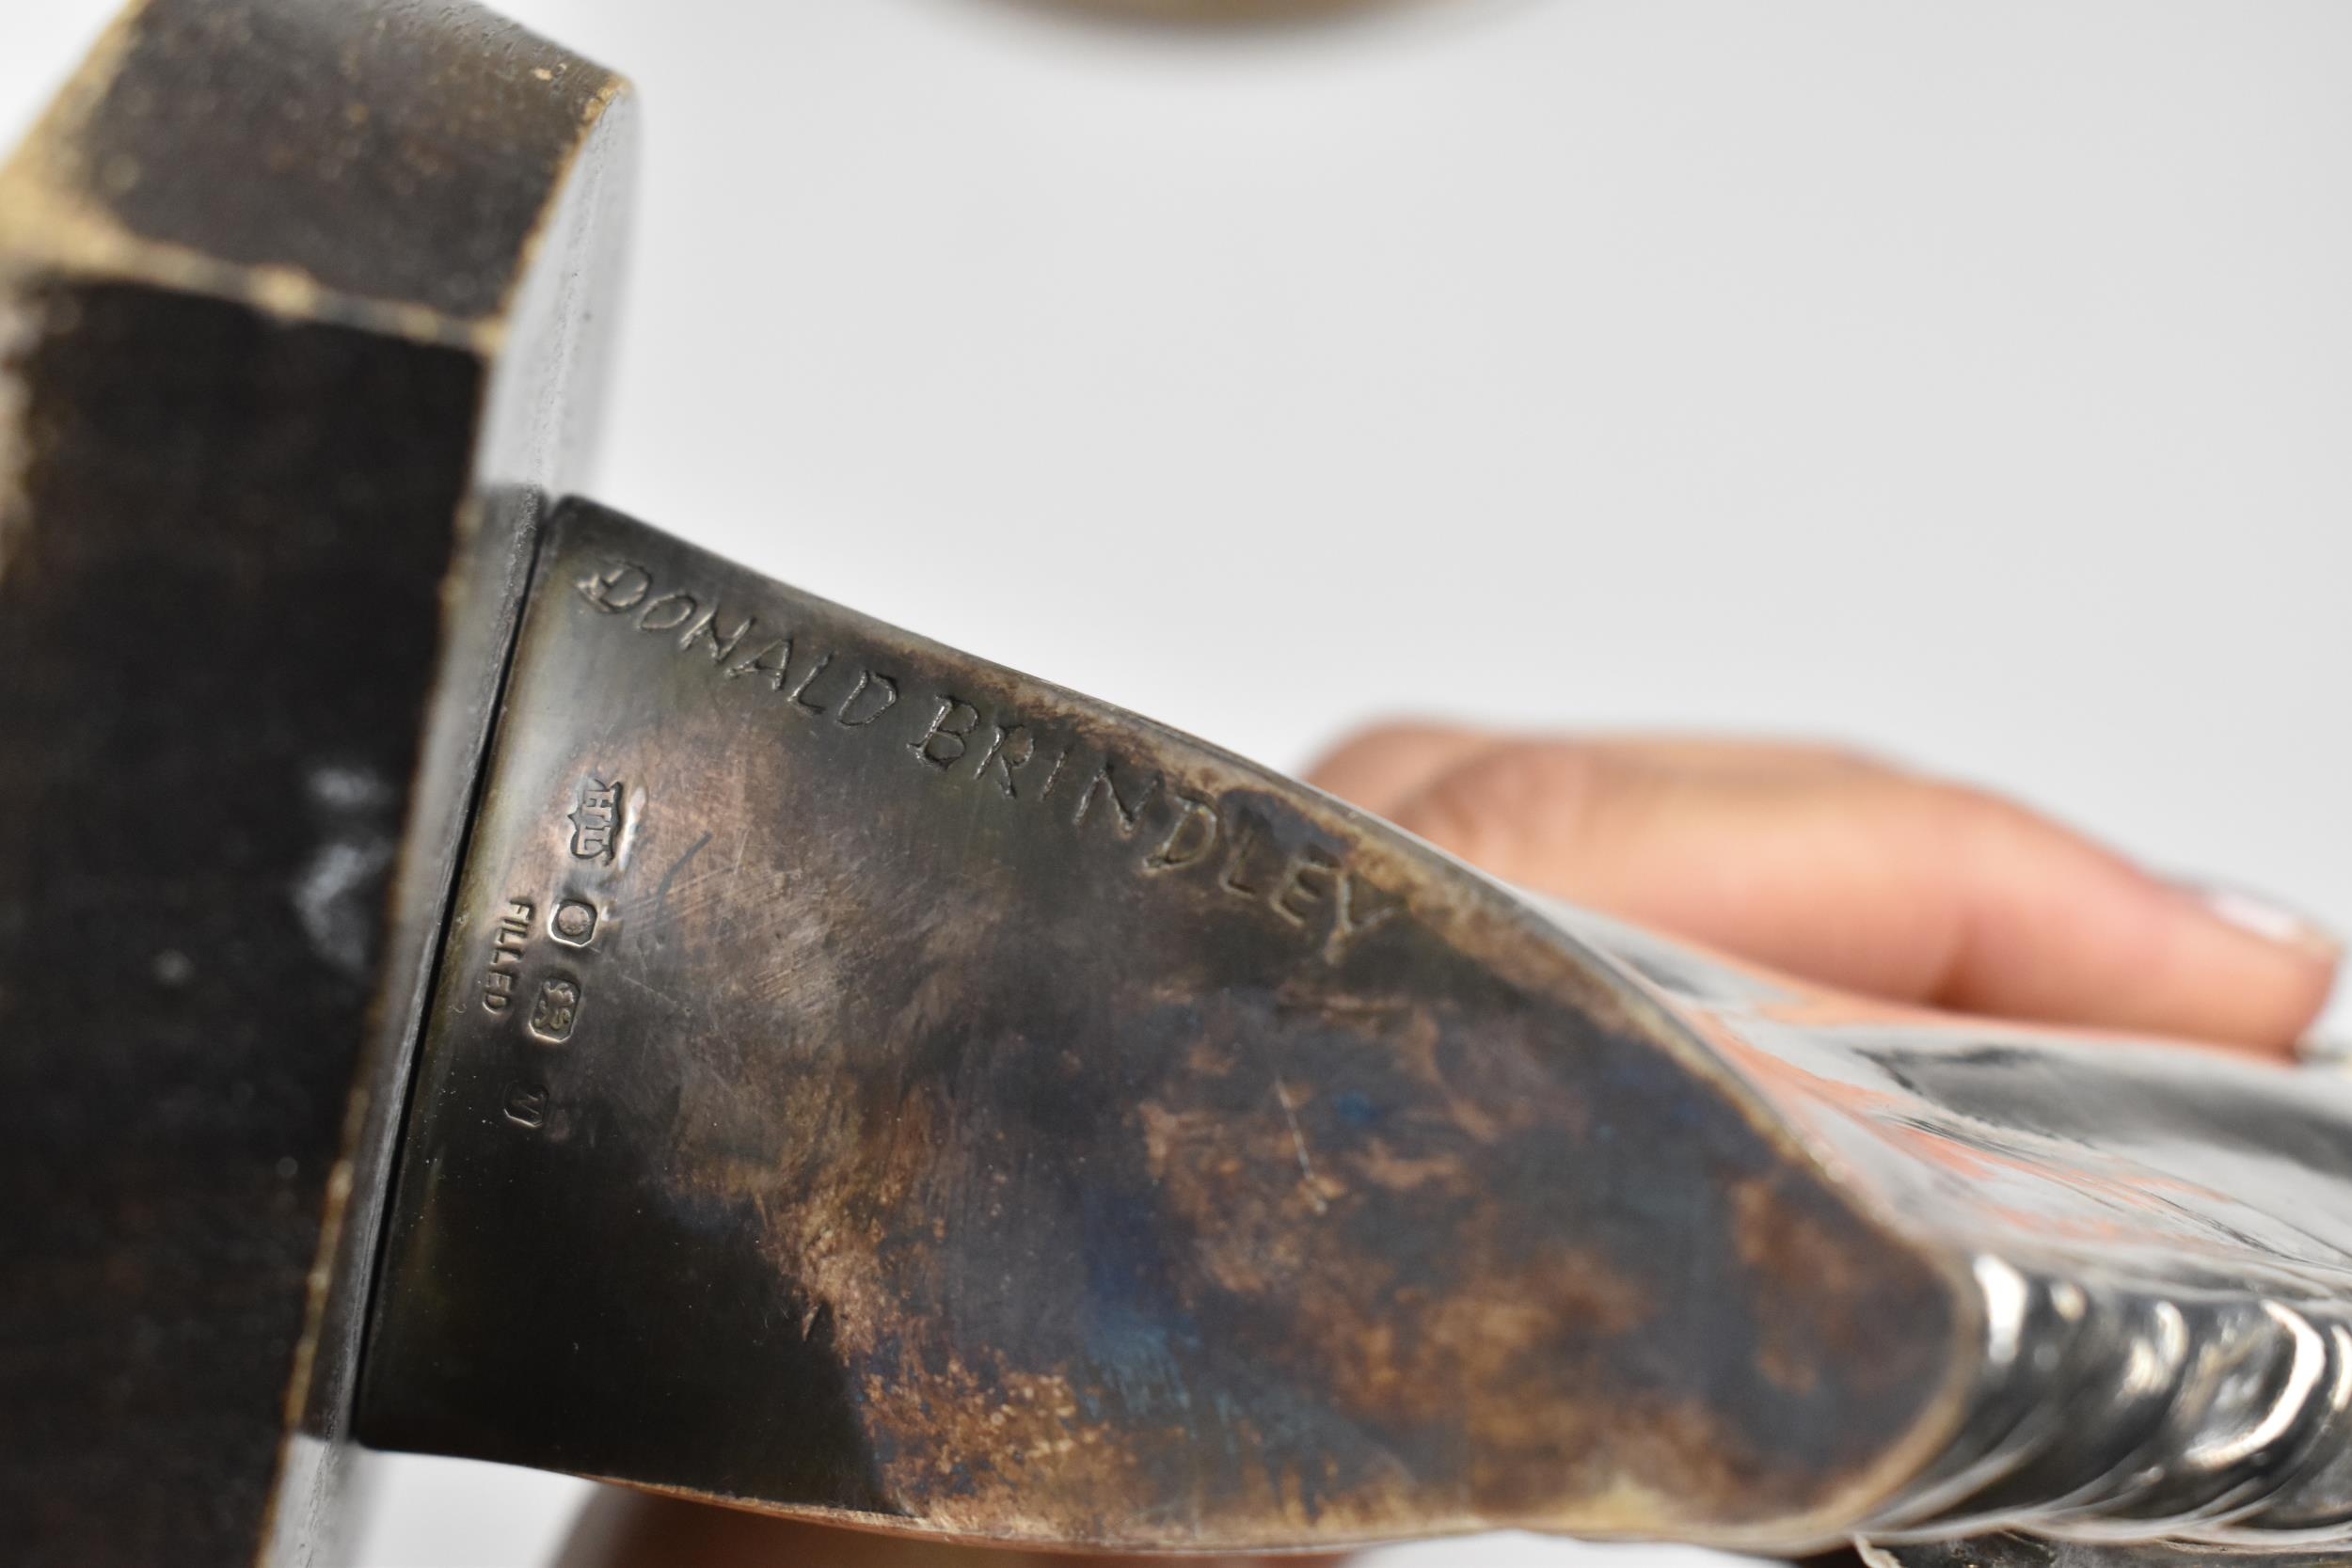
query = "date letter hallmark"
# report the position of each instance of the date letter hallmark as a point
(527, 1106)
(556, 1011)
(508, 938)
(597, 820)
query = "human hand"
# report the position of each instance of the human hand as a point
(1817, 862)
(1853, 873)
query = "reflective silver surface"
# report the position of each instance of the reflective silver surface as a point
(2160, 1235)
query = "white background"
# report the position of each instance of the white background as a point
(1969, 381)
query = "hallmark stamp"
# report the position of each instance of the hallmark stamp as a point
(508, 938)
(574, 923)
(527, 1106)
(597, 820)
(556, 1011)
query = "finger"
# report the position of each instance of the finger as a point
(1376, 769)
(621, 1529)
(1380, 767)
(1866, 878)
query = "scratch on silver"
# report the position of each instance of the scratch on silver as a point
(1298, 1143)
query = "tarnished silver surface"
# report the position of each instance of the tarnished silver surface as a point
(869, 1084)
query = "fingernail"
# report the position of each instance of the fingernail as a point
(2327, 1051)
(2259, 915)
